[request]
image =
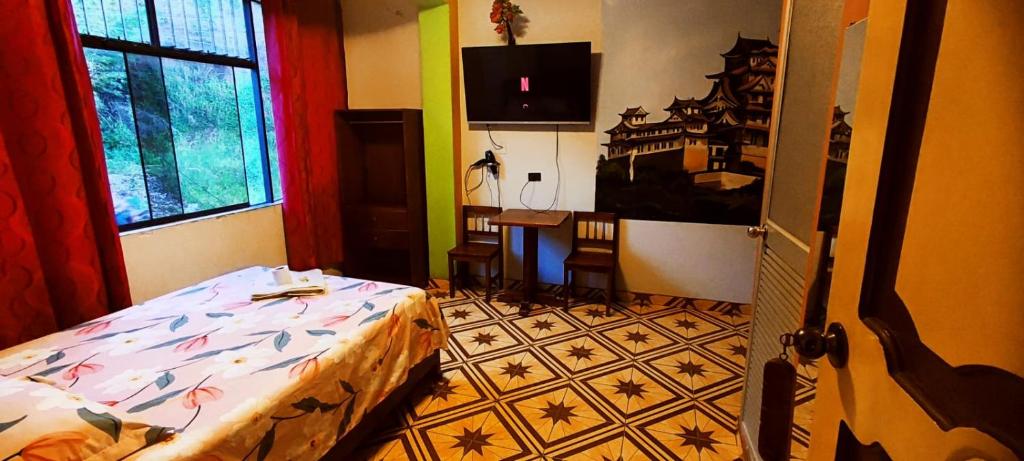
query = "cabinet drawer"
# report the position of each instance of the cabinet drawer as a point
(385, 239)
(382, 218)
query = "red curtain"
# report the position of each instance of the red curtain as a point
(307, 77)
(60, 254)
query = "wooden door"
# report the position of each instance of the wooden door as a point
(930, 263)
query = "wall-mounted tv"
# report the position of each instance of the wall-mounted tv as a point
(548, 83)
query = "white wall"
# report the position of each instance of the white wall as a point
(682, 259)
(164, 259)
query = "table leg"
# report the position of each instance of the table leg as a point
(529, 265)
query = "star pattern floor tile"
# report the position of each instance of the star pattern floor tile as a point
(658, 377)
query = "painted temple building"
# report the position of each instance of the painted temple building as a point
(725, 131)
(839, 136)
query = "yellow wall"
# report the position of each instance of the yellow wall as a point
(382, 53)
(164, 259)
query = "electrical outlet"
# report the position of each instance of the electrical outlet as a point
(533, 177)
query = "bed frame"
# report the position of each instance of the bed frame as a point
(423, 374)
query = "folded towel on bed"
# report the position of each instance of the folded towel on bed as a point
(307, 283)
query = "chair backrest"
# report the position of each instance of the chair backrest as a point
(595, 232)
(478, 227)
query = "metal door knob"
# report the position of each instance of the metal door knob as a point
(812, 343)
(756, 231)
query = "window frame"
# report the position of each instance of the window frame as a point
(155, 49)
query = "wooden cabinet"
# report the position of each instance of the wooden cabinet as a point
(383, 195)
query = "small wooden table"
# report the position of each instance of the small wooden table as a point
(531, 222)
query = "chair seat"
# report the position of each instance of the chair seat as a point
(475, 251)
(590, 260)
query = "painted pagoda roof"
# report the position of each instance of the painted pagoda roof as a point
(841, 126)
(720, 97)
(727, 118)
(631, 111)
(621, 127)
(678, 104)
(744, 46)
(758, 84)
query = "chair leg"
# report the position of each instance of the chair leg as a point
(565, 285)
(487, 281)
(609, 293)
(451, 277)
(501, 270)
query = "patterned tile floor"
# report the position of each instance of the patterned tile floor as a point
(660, 378)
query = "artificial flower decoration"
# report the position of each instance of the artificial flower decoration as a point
(503, 14)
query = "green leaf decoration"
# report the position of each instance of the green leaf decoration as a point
(308, 404)
(191, 291)
(289, 362)
(374, 317)
(171, 342)
(262, 333)
(50, 371)
(158, 319)
(347, 418)
(347, 386)
(357, 285)
(179, 322)
(320, 332)
(266, 444)
(157, 401)
(105, 422)
(55, 357)
(164, 380)
(219, 351)
(281, 340)
(276, 302)
(157, 434)
(10, 424)
(216, 315)
(369, 306)
(424, 324)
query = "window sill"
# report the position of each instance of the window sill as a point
(146, 230)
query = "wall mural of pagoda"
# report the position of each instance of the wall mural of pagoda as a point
(696, 158)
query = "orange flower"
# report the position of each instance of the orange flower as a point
(199, 396)
(81, 369)
(393, 326)
(306, 369)
(94, 328)
(192, 344)
(56, 446)
(426, 340)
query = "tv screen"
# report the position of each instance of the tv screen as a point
(547, 83)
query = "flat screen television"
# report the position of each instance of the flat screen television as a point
(548, 83)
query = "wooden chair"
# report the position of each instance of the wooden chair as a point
(595, 248)
(481, 243)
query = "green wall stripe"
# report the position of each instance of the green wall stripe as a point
(435, 62)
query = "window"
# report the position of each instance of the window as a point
(183, 96)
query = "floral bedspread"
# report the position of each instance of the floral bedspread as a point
(237, 379)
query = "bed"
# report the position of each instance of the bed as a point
(205, 373)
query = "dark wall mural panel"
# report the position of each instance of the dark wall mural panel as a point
(698, 155)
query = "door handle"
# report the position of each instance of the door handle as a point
(757, 231)
(813, 343)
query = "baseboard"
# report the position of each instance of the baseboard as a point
(749, 453)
